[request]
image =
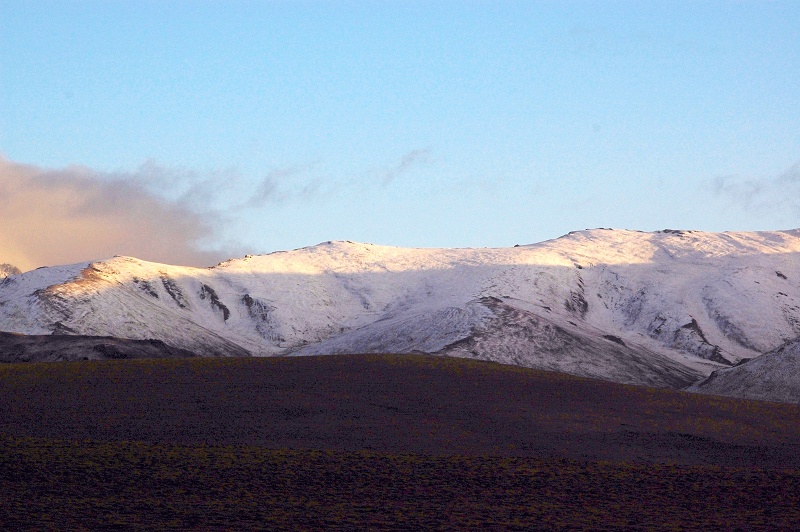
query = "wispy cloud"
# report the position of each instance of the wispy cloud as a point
(75, 214)
(773, 195)
(285, 184)
(303, 183)
(187, 187)
(409, 161)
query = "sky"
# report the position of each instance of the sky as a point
(189, 132)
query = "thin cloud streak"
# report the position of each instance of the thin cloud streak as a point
(76, 214)
(409, 161)
(283, 185)
(762, 196)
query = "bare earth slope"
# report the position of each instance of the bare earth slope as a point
(664, 308)
(380, 442)
(394, 404)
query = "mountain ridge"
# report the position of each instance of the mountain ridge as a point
(664, 308)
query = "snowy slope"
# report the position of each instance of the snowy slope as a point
(774, 376)
(663, 308)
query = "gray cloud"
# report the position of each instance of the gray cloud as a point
(774, 195)
(791, 176)
(270, 189)
(75, 214)
(409, 161)
(200, 192)
(285, 184)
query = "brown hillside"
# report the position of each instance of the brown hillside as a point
(381, 442)
(397, 404)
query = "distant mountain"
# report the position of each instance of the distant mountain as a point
(774, 376)
(662, 309)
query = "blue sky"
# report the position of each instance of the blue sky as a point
(275, 125)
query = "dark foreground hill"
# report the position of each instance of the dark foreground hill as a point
(381, 441)
(15, 347)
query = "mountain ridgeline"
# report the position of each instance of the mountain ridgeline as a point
(664, 309)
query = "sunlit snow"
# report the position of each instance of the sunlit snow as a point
(663, 308)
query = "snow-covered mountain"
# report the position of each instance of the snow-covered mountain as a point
(664, 308)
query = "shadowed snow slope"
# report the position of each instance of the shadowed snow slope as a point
(664, 308)
(64, 348)
(774, 376)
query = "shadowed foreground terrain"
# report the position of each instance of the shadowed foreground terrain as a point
(381, 441)
(67, 348)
